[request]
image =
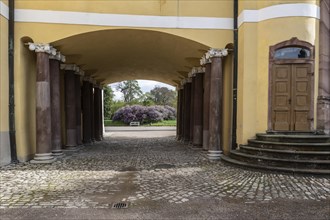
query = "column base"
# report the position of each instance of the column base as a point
(214, 155)
(71, 148)
(45, 158)
(57, 153)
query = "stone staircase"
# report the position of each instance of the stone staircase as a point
(296, 153)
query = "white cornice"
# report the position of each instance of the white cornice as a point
(279, 11)
(125, 20)
(122, 20)
(4, 10)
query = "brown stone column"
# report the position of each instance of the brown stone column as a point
(97, 113)
(78, 107)
(182, 113)
(206, 102)
(323, 101)
(187, 106)
(198, 108)
(178, 115)
(92, 111)
(192, 109)
(54, 65)
(101, 112)
(43, 105)
(87, 130)
(216, 101)
(70, 107)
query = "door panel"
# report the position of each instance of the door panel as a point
(291, 97)
(280, 101)
(301, 97)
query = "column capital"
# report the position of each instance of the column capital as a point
(198, 69)
(73, 67)
(214, 52)
(60, 57)
(204, 60)
(42, 48)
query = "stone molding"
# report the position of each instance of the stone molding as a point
(214, 52)
(42, 48)
(204, 60)
(60, 57)
(198, 69)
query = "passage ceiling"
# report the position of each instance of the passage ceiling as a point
(116, 55)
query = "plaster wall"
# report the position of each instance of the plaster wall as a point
(254, 42)
(4, 98)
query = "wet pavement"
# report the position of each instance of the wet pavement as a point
(158, 177)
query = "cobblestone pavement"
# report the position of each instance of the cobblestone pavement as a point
(137, 170)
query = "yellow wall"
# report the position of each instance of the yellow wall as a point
(4, 99)
(25, 85)
(205, 8)
(254, 42)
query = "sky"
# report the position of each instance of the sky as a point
(146, 86)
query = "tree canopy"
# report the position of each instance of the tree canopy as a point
(130, 89)
(163, 96)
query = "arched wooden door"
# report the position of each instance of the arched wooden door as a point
(291, 87)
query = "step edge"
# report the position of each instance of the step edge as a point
(285, 169)
(279, 159)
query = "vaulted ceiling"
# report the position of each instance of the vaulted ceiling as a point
(116, 55)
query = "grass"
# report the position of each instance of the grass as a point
(161, 123)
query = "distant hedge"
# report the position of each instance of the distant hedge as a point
(144, 114)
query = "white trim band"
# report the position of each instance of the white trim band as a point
(122, 20)
(4, 10)
(99, 19)
(279, 11)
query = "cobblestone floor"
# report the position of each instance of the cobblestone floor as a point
(138, 170)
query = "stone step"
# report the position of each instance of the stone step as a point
(275, 168)
(294, 138)
(290, 145)
(280, 162)
(289, 154)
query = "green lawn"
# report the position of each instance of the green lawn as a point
(161, 123)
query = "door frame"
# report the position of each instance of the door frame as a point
(293, 42)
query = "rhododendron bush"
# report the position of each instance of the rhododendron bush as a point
(144, 114)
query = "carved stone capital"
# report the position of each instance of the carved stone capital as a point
(204, 60)
(60, 57)
(213, 52)
(198, 69)
(42, 48)
(72, 67)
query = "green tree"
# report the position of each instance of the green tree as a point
(163, 96)
(130, 89)
(108, 101)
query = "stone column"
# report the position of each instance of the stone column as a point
(43, 104)
(323, 101)
(54, 65)
(183, 108)
(178, 115)
(91, 87)
(187, 106)
(216, 101)
(97, 115)
(70, 106)
(192, 77)
(206, 101)
(78, 105)
(101, 112)
(198, 107)
(87, 136)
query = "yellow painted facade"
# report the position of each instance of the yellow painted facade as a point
(114, 53)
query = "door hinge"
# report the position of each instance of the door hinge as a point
(310, 119)
(311, 73)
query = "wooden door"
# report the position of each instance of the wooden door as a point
(291, 97)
